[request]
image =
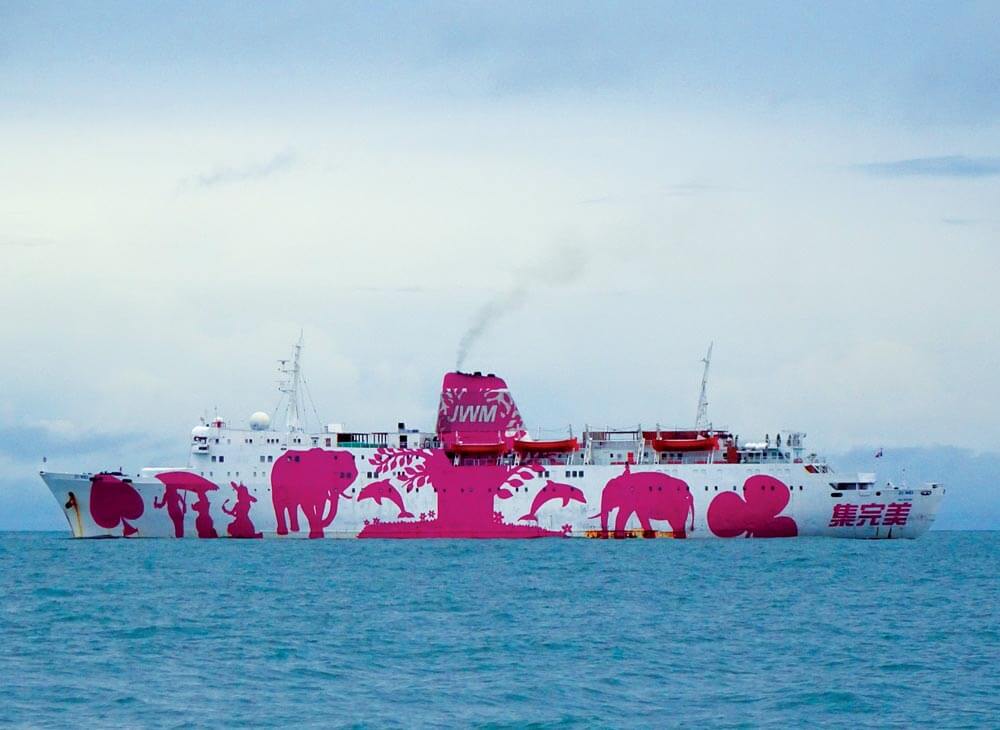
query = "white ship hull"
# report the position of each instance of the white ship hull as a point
(479, 475)
(812, 508)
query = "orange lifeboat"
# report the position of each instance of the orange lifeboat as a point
(699, 443)
(477, 449)
(546, 447)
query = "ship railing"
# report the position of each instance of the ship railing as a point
(551, 433)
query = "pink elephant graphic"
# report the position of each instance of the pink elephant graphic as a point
(649, 496)
(115, 501)
(312, 481)
(755, 514)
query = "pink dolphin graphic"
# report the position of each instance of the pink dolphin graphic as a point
(384, 490)
(553, 490)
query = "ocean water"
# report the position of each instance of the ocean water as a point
(549, 633)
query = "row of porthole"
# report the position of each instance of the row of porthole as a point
(716, 488)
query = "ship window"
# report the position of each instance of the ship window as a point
(329, 442)
(270, 458)
(262, 459)
(215, 458)
(222, 458)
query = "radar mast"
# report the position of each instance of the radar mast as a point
(289, 385)
(701, 419)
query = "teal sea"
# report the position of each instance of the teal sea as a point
(659, 633)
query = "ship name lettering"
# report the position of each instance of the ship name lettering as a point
(474, 414)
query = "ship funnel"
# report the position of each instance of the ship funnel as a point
(477, 409)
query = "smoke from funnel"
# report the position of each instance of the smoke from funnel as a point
(563, 265)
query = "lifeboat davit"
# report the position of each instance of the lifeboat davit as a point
(546, 447)
(700, 443)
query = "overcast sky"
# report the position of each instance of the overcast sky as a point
(815, 187)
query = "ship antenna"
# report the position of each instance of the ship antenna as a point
(701, 419)
(289, 385)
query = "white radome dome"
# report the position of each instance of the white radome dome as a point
(260, 421)
(200, 432)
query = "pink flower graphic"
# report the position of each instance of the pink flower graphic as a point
(755, 514)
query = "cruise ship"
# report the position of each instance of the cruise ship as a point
(482, 474)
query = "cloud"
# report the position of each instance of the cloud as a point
(685, 189)
(28, 242)
(61, 439)
(226, 174)
(945, 166)
(390, 289)
(599, 201)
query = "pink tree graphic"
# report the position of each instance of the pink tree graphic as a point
(466, 495)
